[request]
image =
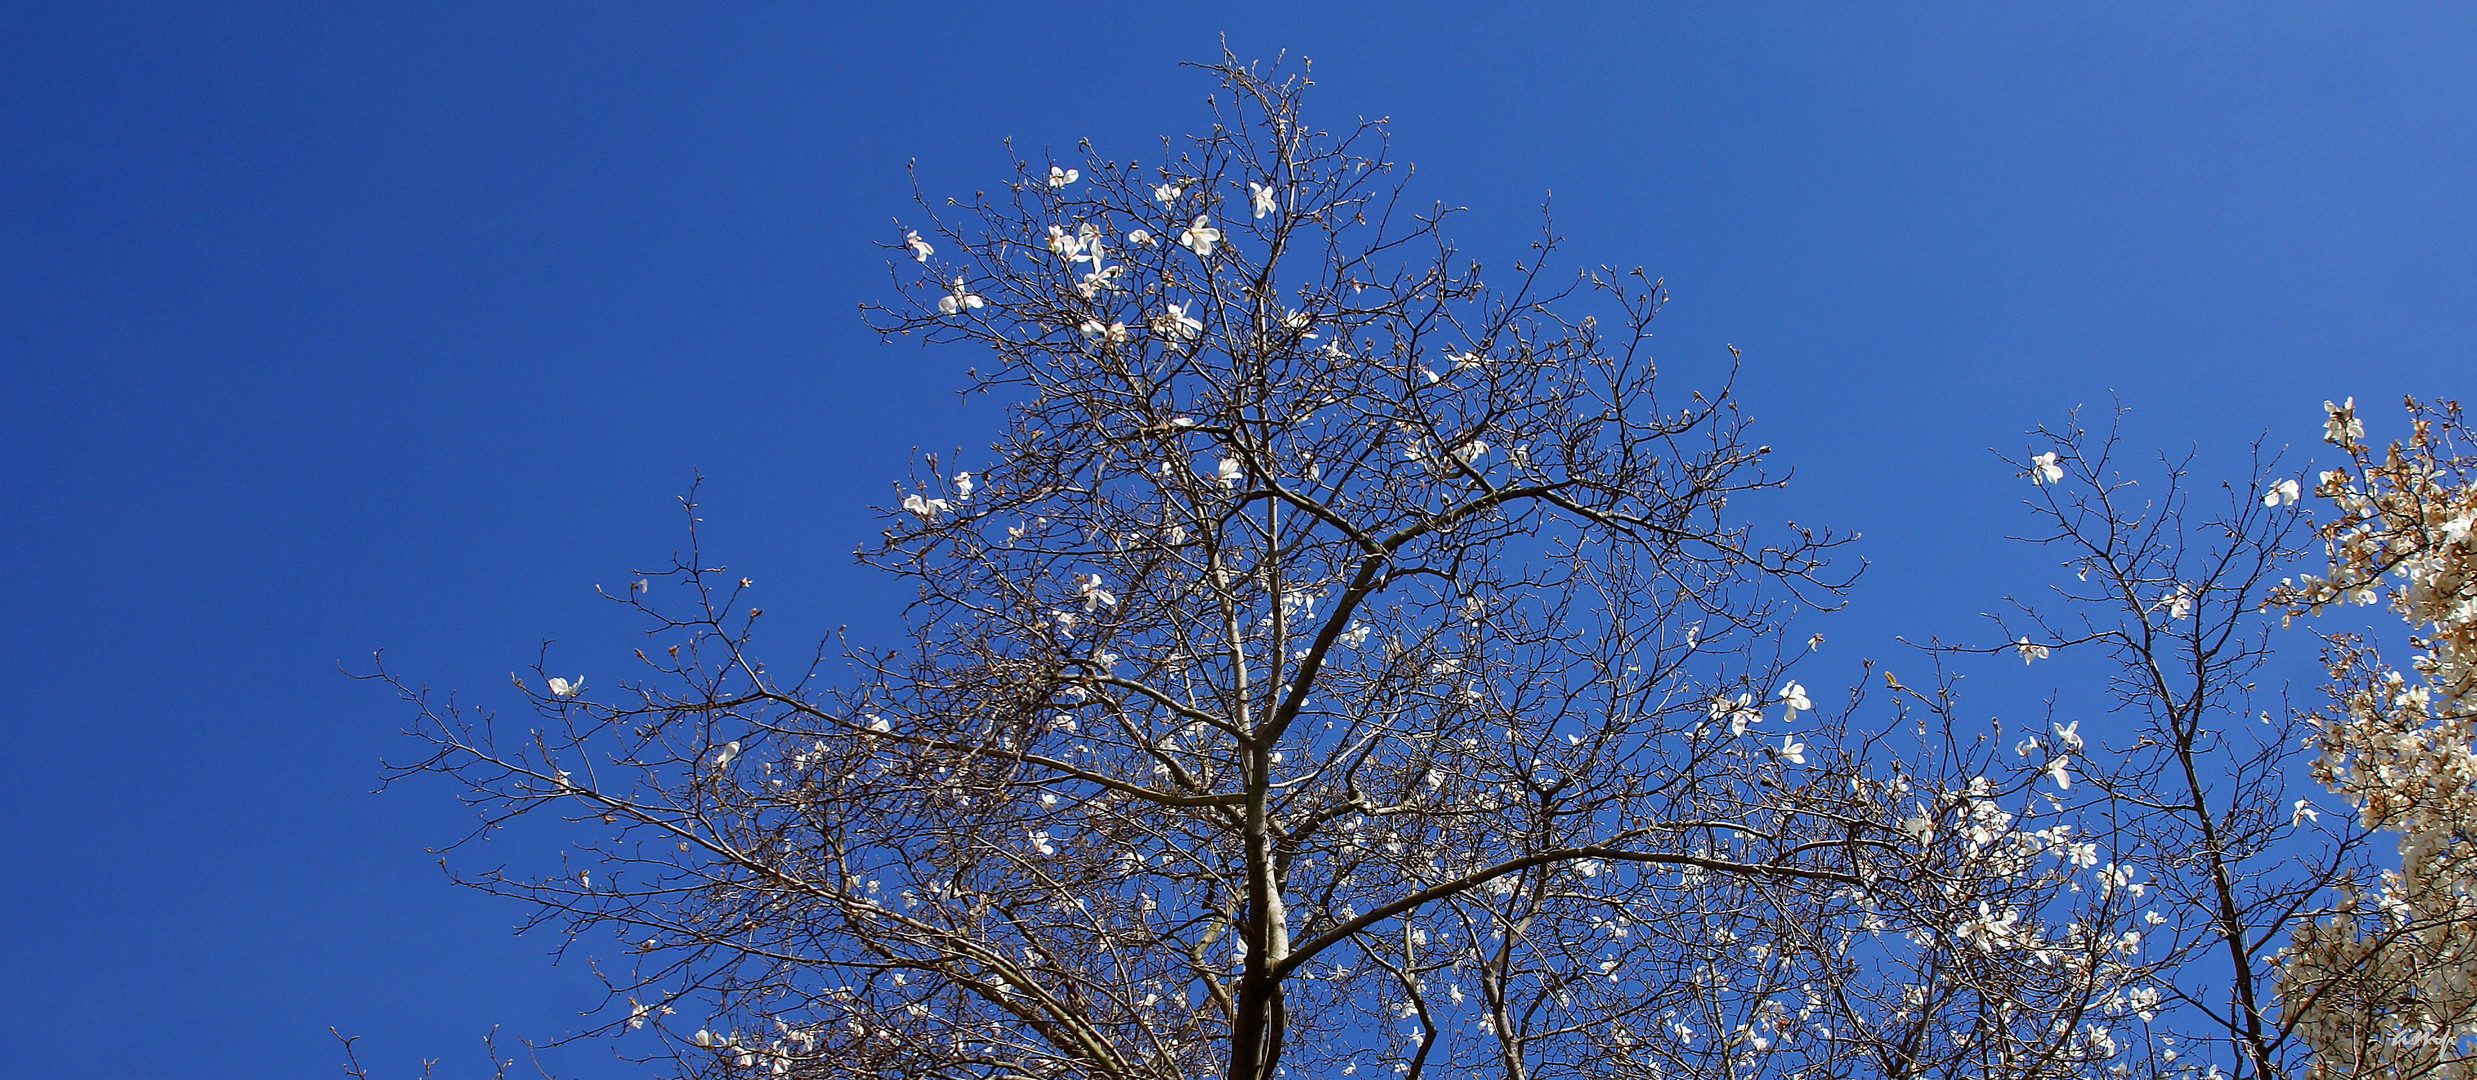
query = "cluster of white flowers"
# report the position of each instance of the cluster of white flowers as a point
(1085, 246)
(775, 1056)
(2388, 986)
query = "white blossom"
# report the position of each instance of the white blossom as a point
(2342, 427)
(1795, 696)
(1059, 177)
(1298, 604)
(1094, 595)
(1065, 245)
(1174, 323)
(1199, 237)
(1792, 751)
(920, 248)
(2068, 736)
(2145, 1002)
(2045, 470)
(1111, 333)
(1260, 198)
(562, 688)
(959, 298)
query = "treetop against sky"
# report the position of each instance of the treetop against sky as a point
(340, 330)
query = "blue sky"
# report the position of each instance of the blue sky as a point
(327, 329)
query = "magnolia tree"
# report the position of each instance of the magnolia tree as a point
(2273, 941)
(1341, 664)
(2191, 804)
(2386, 983)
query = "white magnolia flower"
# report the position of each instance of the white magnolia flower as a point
(1168, 193)
(963, 485)
(1229, 472)
(729, 750)
(2179, 604)
(1260, 198)
(1084, 245)
(1094, 595)
(1918, 827)
(1199, 237)
(1356, 636)
(1114, 333)
(2303, 813)
(1066, 245)
(2343, 425)
(1139, 238)
(1059, 178)
(1792, 751)
(1101, 280)
(2145, 1002)
(1298, 604)
(2060, 770)
(2030, 650)
(1739, 711)
(920, 248)
(1040, 843)
(925, 509)
(959, 298)
(2283, 491)
(2068, 736)
(1176, 324)
(562, 688)
(2044, 470)
(1795, 695)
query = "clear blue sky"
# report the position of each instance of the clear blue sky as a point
(329, 328)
